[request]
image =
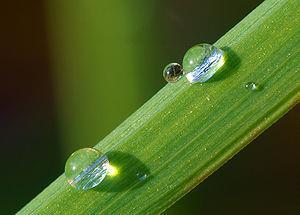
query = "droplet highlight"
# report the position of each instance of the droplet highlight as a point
(201, 62)
(251, 86)
(86, 168)
(172, 72)
(141, 176)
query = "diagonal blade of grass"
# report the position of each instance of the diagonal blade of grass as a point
(184, 133)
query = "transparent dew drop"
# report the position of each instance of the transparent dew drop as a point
(251, 86)
(202, 61)
(86, 168)
(142, 176)
(172, 72)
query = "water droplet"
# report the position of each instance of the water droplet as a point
(141, 176)
(172, 72)
(251, 86)
(86, 168)
(202, 61)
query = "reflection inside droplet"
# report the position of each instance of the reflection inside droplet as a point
(202, 61)
(86, 168)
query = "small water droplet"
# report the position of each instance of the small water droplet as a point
(251, 86)
(86, 168)
(207, 98)
(141, 176)
(172, 72)
(202, 61)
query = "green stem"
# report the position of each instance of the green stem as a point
(184, 133)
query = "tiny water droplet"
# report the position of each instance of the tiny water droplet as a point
(251, 86)
(172, 72)
(86, 168)
(207, 98)
(141, 176)
(202, 61)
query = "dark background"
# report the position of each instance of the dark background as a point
(68, 66)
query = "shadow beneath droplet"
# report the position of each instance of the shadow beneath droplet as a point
(232, 63)
(128, 172)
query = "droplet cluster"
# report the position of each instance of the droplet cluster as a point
(200, 63)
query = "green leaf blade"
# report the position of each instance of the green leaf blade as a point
(184, 133)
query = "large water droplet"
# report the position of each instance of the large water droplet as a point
(202, 61)
(172, 72)
(86, 168)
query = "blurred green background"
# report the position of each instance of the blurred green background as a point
(71, 71)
